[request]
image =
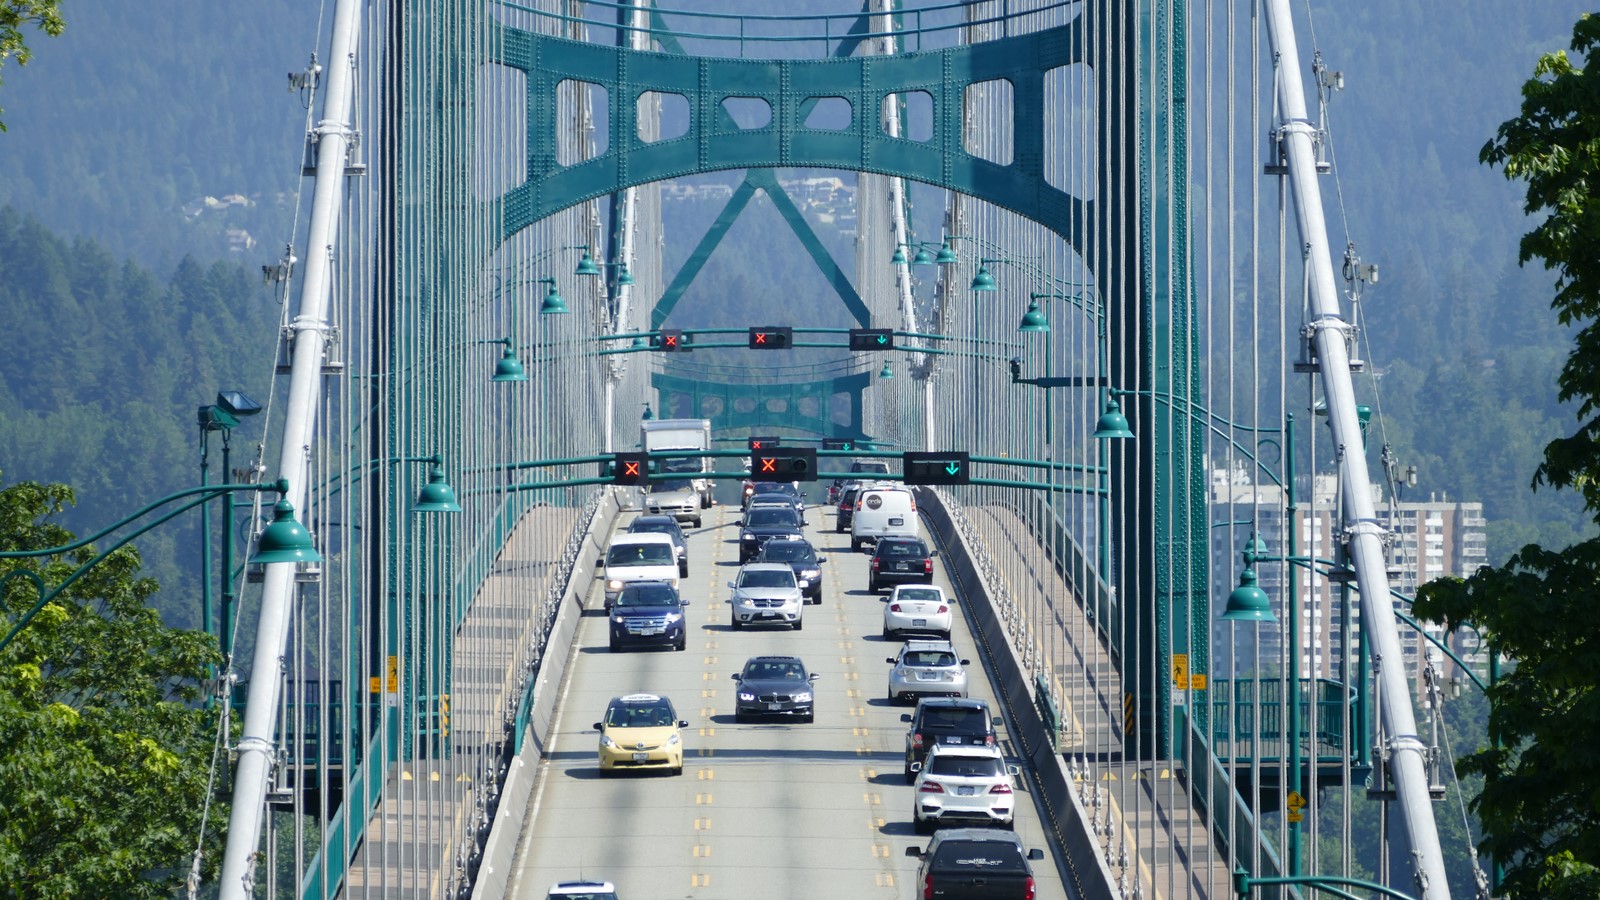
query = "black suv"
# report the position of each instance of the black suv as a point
(803, 558)
(899, 559)
(945, 720)
(648, 613)
(767, 523)
(976, 862)
(668, 526)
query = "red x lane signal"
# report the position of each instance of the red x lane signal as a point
(630, 468)
(774, 338)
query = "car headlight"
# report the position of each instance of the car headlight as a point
(744, 601)
(747, 697)
(674, 740)
(618, 619)
(614, 585)
(746, 536)
(607, 742)
(811, 573)
(795, 537)
(673, 617)
(802, 698)
(803, 584)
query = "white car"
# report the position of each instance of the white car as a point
(926, 669)
(964, 785)
(917, 609)
(767, 594)
(582, 890)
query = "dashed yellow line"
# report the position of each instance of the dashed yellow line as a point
(702, 851)
(702, 800)
(707, 774)
(700, 879)
(885, 879)
(881, 851)
(707, 731)
(858, 711)
(872, 798)
(702, 824)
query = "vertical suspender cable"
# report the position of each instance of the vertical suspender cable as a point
(255, 745)
(1417, 828)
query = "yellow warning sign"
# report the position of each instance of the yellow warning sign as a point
(1294, 803)
(393, 680)
(1181, 679)
(375, 684)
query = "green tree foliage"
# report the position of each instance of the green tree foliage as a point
(14, 14)
(1538, 804)
(104, 754)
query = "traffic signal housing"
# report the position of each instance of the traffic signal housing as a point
(949, 467)
(669, 340)
(771, 338)
(764, 443)
(785, 464)
(871, 339)
(838, 444)
(630, 468)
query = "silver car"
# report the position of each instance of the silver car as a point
(926, 669)
(917, 609)
(767, 594)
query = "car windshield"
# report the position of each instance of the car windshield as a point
(965, 766)
(962, 718)
(924, 658)
(985, 856)
(903, 548)
(767, 578)
(771, 515)
(641, 555)
(786, 553)
(642, 715)
(874, 467)
(651, 528)
(647, 595)
(672, 484)
(917, 593)
(774, 670)
(773, 487)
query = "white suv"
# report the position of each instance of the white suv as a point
(964, 784)
(767, 594)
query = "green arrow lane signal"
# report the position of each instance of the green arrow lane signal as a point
(883, 339)
(947, 467)
(871, 339)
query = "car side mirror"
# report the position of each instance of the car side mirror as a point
(813, 676)
(734, 676)
(597, 727)
(966, 662)
(683, 602)
(889, 660)
(916, 767)
(822, 559)
(883, 599)
(905, 717)
(730, 584)
(684, 723)
(1014, 770)
(599, 562)
(1036, 854)
(997, 721)
(933, 553)
(914, 851)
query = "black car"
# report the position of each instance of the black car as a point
(946, 720)
(764, 524)
(976, 864)
(847, 507)
(803, 558)
(774, 686)
(860, 469)
(668, 526)
(751, 488)
(899, 559)
(648, 613)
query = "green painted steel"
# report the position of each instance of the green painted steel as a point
(710, 144)
(726, 403)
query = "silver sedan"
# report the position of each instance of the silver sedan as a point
(926, 669)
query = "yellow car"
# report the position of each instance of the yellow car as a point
(640, 731)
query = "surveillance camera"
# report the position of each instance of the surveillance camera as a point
(1016, 367)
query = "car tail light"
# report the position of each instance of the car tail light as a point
(927, 888)
(895, 607)
(874, 562)
(916, 740)
(913, 506)
(1000, 789)
(943, 609)
(927, 566)
(989, 739)
(931, 787)
(1027, 889)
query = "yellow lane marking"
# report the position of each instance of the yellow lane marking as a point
(877, 823)
(869, 773)
(708, 751)
(702, 851)
(852, 676)
(700, 879)
(702, 824)
(852, 693)
(707, 775)
(872, 798)
(711, 660)
(707, 731)
(860, 731)
(881, 851)
(858, 711)
(885, 879)
(702, 800)
(847, 660)
(707, 711)
(708, 692)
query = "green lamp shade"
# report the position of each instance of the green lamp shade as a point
(586, 265)
(509, 368)
(1112, 423)
(899, 257)
(886, 373)
(437, 495)
(1034, 319)
(923, 257)
(285, 540)
(947, 255)
(553, 305)
(648, 413)
(1248, 603)
(624, 277)
(1254, 549)
(983, 281)
(639, 343)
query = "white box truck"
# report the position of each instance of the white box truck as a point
(656, 435)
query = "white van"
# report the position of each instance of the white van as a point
(639, 557)
(880, 511)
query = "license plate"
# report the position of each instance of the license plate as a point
(927, 676)
(966, 791)
(644, 631)
(766, 615)
(774, 706)
(641, 757)
(918, 623)
(952, 739)
(897, 521)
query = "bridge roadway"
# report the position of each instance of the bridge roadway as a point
(768, 809)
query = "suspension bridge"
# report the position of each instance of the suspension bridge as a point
(1077, 245)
